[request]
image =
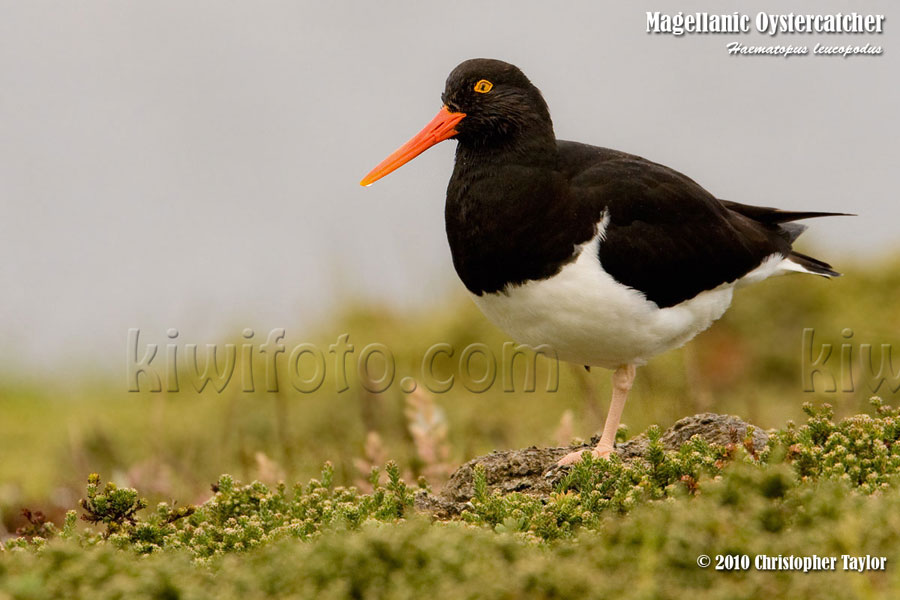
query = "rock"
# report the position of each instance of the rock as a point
(533, 470)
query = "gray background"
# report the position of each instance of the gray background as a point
(195, 164)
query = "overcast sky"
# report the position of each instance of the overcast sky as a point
(196, 164)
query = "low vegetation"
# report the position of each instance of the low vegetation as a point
(826, 487)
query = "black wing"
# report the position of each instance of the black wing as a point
(668, 237)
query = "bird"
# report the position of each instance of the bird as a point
(605, 257)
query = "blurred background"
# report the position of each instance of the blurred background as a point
(195, 166)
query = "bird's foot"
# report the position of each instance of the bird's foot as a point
(574, 457)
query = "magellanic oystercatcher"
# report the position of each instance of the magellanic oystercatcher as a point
(606, 257)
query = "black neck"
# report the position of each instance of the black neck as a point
(509, 215)
(526, 136)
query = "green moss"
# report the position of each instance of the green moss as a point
(775, 488)
(650, 552)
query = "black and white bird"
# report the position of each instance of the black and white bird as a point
(606, 257)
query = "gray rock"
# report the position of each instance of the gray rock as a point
(533, 470)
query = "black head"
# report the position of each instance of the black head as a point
(488, 104)
(498, 100)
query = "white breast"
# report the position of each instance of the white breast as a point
(591, 319)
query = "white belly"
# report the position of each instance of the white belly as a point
(589, 318)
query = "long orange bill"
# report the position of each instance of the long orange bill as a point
(441, 127)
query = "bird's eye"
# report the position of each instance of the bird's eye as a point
(483, 86)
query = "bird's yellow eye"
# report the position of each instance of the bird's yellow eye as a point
(483, 86)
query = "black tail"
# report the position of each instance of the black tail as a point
(782, 222)
(813, 265)
(773, 216)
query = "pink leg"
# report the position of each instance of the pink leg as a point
(622, 379)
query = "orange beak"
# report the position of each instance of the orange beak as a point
(441, 127)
